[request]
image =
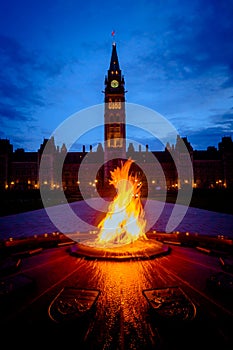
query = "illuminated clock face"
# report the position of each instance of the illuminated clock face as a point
(114, 83)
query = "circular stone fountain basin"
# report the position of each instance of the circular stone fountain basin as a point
(139, 249)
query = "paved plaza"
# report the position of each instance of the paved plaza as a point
(82, 217)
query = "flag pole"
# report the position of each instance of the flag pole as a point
(113, 34)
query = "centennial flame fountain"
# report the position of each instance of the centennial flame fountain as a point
(125, 219)
(122, 232)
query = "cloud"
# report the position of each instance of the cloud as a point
(224, 121)
(12, 51)
(203, 40)
(12, 114)
(222, 125)
(24, 77)
(192, 41)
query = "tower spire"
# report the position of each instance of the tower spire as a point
(114, 63)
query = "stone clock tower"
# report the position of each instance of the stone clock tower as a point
(114, 115)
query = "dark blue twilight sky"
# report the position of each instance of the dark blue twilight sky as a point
(176, 56)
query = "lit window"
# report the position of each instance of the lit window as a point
(114, 105)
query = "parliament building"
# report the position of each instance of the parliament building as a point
(211, 168)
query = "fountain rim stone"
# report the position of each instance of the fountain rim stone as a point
(141, 249)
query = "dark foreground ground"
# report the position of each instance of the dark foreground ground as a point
(32, 292)
(219, 200)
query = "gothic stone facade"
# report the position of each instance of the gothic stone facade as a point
(212, 167)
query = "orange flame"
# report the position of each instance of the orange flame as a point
(125, 220)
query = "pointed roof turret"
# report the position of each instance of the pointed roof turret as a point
(114, 63)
